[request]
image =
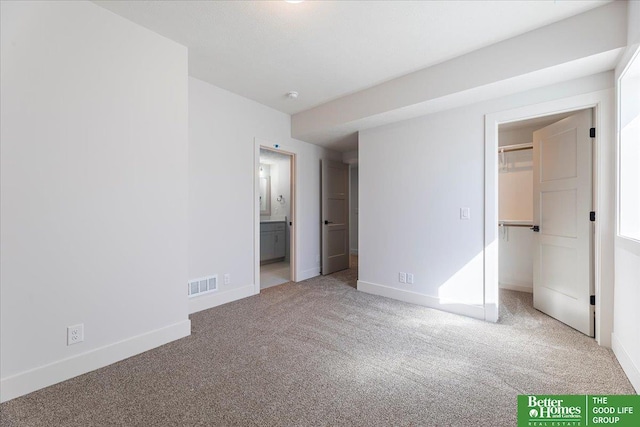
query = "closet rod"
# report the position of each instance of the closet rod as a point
(506, 223)
(515, 147)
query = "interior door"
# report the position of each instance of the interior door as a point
(562, 200)
(335, 216)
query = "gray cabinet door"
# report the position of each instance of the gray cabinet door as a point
(267, 244)
(279, 245)
(273, 242)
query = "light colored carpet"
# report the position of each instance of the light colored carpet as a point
(319, 353)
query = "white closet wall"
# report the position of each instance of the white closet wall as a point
(516, 204)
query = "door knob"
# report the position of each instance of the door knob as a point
(327, 222)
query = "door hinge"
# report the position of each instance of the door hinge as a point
(592, 216)
(592, 300)
(592, 133)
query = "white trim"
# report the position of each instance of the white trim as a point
(256, 215)
(602, 102)
(308, 274)
(448, 306)
(61, 370)
(630, 369)
(218, 297)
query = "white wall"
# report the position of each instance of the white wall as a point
(515, 251)
(516, 186)
(626, 322)
(222, 129)
(94, 191)
(350, 157)
(633, 23)
(280, 186)
(353, 209)
(282, 208)
(438, 167)
(518, 135)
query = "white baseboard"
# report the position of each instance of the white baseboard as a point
(61, 370)
(516, 287)
(469, 310)
(217, 298)
(308, 274)
(629, 368)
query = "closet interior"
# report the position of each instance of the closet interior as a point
(515, 196)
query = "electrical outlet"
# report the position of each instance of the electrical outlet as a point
(227, 279)
(410, 278)
(75, 334)
(402, 277)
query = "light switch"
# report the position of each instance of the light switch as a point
(465, 213)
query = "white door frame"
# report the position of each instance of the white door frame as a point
(604, 191)
(267, 145)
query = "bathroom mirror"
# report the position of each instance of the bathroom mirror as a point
(265, 195)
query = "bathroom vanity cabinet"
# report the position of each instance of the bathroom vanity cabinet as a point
(272, 241)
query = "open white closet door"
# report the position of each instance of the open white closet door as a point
(562, 200)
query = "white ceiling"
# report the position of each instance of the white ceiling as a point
(328, 49)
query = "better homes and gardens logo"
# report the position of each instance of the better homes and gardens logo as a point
(578, 410)
(553, 410)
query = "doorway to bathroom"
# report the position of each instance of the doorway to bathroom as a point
(276, 193)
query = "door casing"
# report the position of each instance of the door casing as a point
(602, 103)
(267, 145)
